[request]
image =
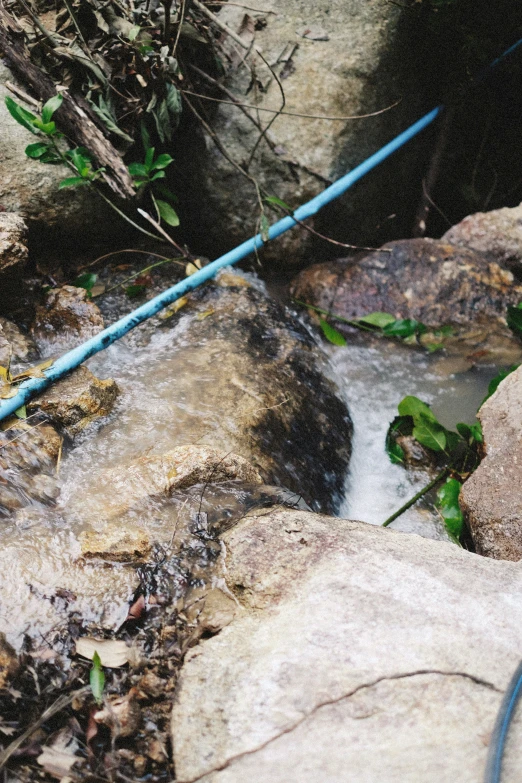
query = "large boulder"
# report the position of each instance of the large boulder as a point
(66, 318)
(491, 498)
(357, 654)
(428, 280)
(332, 59)
(31, 188)
(236, 371)
(497, 234)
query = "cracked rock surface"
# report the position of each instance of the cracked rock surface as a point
(356, 655)
(491, 498)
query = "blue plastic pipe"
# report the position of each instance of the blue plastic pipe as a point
(72, 359)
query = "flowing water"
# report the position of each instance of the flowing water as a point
(41, 544)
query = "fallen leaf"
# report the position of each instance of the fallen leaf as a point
(57, 763)
(173, 308)
(205, 314)
(113, 652)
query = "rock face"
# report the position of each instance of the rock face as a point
(431, 281)
(490, 498)
(31, 188)
(14, 344)
(356, 654)
(13, 239)
(497, 234)
(67, 318)
(332, 59)
(76, 400)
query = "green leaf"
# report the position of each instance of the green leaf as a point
(145, 136)
(167, 213)
(165, 192)
(97, 678)
(157, 175)
(331, 334)
(37, 149)
(432, 347)
(72, 182)
(21, 115)
(149, 159)
(138, 170)
(514, 319)
(162, 161)
(51, 106)
(401, 425)
(427, 429)
(406, 327)
(46, 127)
(87, 281)
(133, 291)
(448, 505)
(497, 380)
(50, 157)
(380, 320)
(21, 412)
(162, 119)
(470, 433)
(106, 114)
(264, 228)
(174, 105)
(278, 202)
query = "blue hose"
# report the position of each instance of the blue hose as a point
(500, 732)
(72, 359)
(77, 356)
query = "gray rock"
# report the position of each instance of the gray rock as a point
(13, 241)
(357, 654)
(31, 188)
(9, 664)
(14, 344)
(66, 319)
(77, 400)
(497, 234)
(491, 498)
(354, 59)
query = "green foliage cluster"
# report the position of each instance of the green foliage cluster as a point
(459, 452)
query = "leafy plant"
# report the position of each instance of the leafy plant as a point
(459, 452)
(405, 329)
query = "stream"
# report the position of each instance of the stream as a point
(161, 398)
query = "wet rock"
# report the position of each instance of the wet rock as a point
(9, 664)
(117, 544)
(67, 318)
(431, 281)
(13, 241)
(134, 485)
(491, 498)
(28, 459)
(497, 234)
(77, 400)
(14, 344)
(320, 75)
(357, 653)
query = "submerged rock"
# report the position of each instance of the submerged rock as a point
(67, 318)
(77, 400)
(356, 654)
(13, 242)
(134, 485)
(496, 234)
(491, 497)
(28, 460)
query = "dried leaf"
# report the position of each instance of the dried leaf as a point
(113, 652)
(173, 308)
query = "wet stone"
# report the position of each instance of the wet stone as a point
(66, 319)
(77, 400)
(116, 543)
(13, 241)
(14, 344)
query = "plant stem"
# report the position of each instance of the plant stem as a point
(416, 497)
(142, 272)
(357, 324)
(128, 219)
